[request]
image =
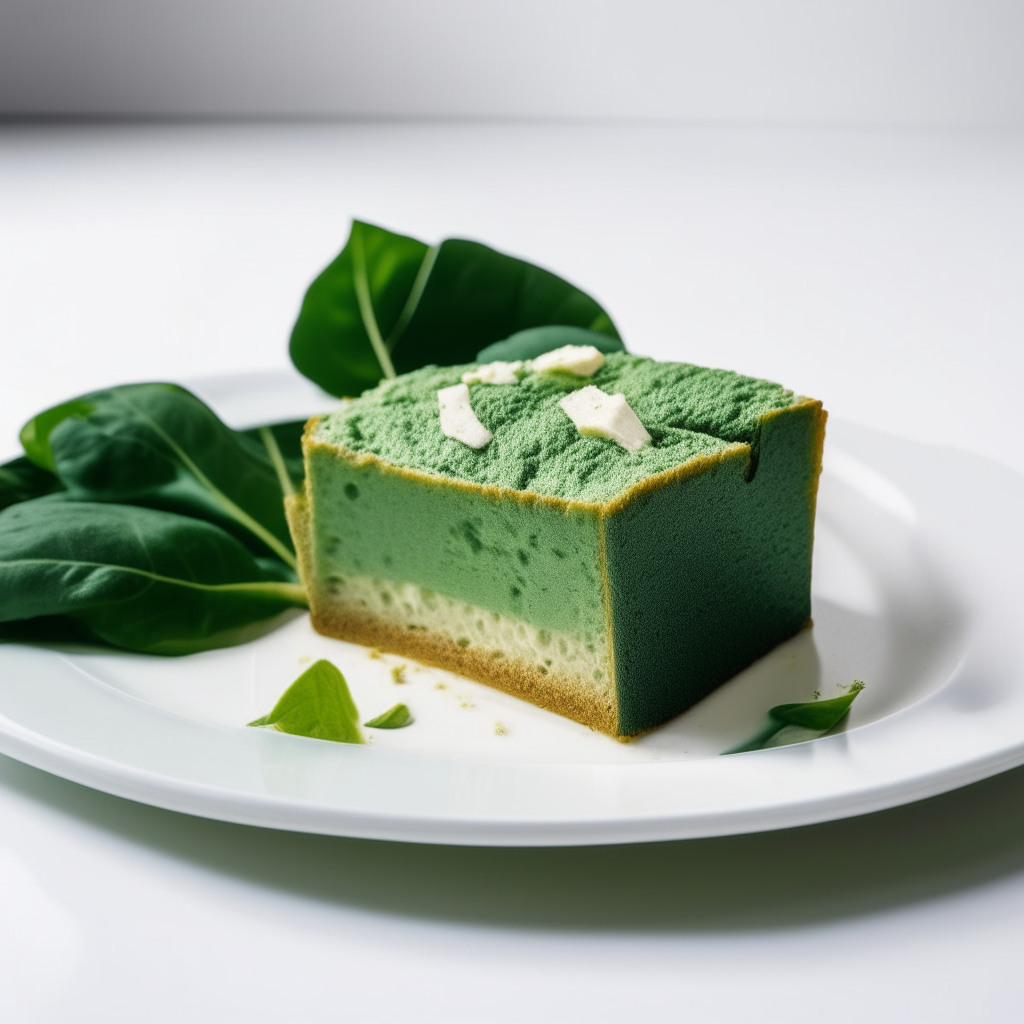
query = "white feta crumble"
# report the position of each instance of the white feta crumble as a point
(458, 419)
(597, 414)
(579, 360)
(494, 373)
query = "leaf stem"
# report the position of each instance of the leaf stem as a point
(362, 286)
(418, 287)
(270, 443)
(293, 593)
(236, 512)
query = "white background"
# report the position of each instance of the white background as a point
(881, 62)
(838, 205)
(879, 270)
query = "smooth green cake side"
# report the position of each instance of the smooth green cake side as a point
(615, 588)
(709, 573)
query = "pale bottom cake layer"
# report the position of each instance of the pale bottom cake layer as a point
(570, 675)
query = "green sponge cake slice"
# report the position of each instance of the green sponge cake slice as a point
(610, 539)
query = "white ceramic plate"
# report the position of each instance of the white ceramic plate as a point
(918, 563)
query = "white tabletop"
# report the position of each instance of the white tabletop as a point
(880, 272)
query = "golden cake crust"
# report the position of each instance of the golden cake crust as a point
(561, 694)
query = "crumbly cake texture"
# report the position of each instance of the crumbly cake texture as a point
(617, 588)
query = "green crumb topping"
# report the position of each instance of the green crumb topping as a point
(688, 410)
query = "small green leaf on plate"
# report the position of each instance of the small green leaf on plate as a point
(797, 723)
(395, 718)
(318, 704)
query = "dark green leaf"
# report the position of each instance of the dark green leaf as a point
(132, 577)
(538, 340)
(286, 438)
(353, 307)
(35, 435)
(389, 304)
(157, 445)
(45, 630)
(393, 718)
(319, 705)
(21, 480)
(797, 723)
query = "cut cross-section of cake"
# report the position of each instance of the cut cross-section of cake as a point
(615, 582)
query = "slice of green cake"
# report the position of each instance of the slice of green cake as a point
(614, 586)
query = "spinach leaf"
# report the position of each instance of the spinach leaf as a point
(21, 480)
(538, 340)
(393, 718)
(136, 578)
(389, 304)
(797, 723)
(158, 446)
(283, 443)
(35, 434)
(319, 705)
